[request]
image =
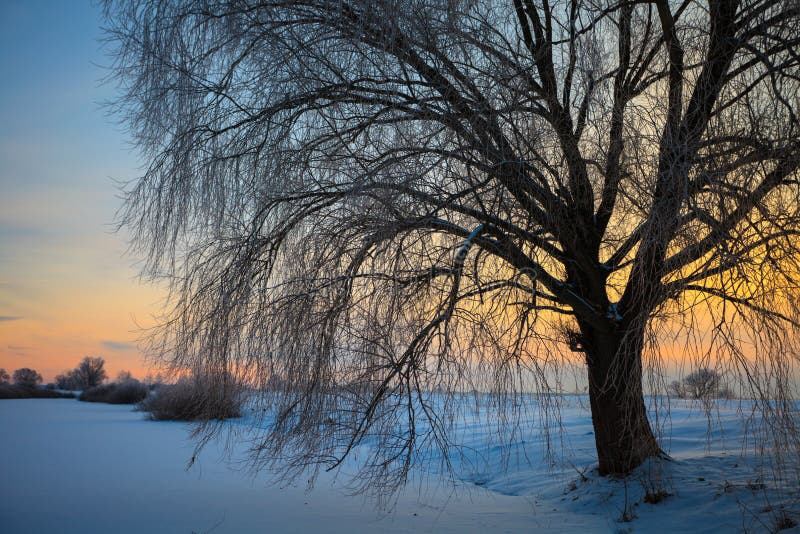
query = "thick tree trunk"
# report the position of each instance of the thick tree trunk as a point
(622, 431)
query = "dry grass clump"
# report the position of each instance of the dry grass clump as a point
(194, 399)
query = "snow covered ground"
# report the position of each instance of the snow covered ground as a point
(68, 466)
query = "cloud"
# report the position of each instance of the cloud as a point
(10, 317)
(117, 345)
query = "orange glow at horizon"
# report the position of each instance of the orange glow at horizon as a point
(78, 322)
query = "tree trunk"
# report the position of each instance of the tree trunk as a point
(623, 436)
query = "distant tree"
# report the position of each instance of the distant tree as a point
(124, 376)
(153, 380)
(27, 378)
(65, 380)
(4, 378)
(89, 373)
(675, 389)
(61, 380)
(704, 383)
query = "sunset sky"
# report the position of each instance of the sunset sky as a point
(67, 287)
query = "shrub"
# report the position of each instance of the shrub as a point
(27, 378)
(128, 392)
(193, 399)
(13, 391)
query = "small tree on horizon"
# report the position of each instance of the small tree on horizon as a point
(66, 381)
(89, 373)
(124, 376)
(4, 378)
(676, 389)
(703, 384)
(27, 378)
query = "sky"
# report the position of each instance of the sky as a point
(68, 287)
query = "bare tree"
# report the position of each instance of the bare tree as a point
(361, 202)
(67, 381)
(703, 383)
(676, 389)
(125, 376)
(27, 378)
(89, 373)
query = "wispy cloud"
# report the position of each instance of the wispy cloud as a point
(10, 317)
(117, 345)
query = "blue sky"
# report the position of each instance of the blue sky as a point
(67, 289)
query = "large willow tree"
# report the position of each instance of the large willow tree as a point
(366, 207)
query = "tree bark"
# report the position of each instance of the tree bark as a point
(623, 436)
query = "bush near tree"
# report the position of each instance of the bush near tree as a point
(194, 399)
(127, 391)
